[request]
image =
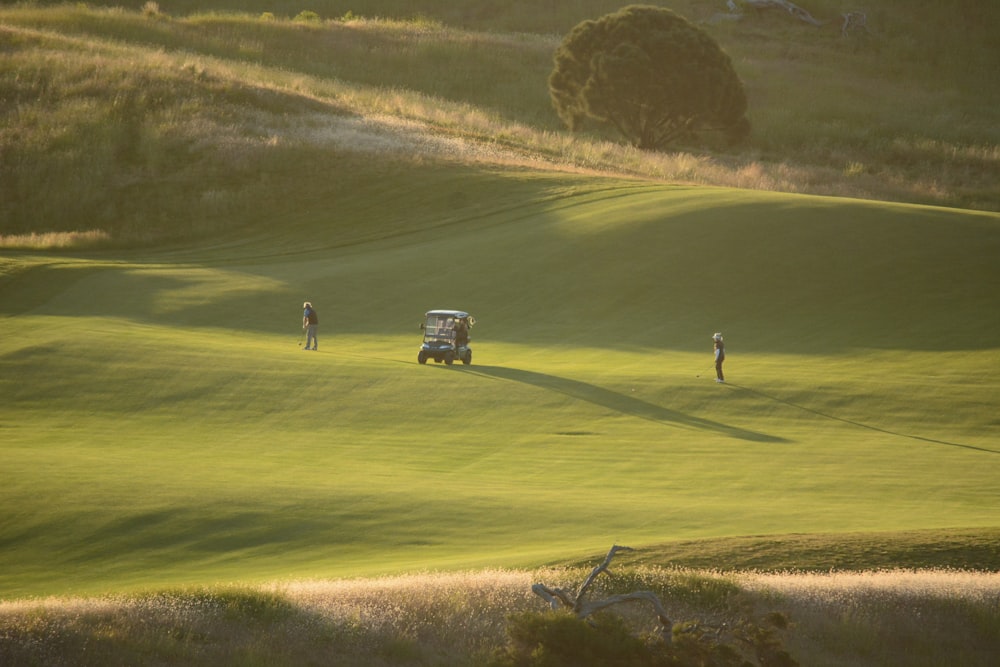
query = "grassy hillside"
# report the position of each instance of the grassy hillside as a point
(164, 425)
(180, 123)
(163, 431)
(176, 183)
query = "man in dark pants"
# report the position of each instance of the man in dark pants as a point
(720, 356)
(461, 333)
(310, 322)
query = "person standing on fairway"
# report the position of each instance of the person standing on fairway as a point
(310, 322)
(720, 356)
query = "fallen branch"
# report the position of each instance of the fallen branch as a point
(557, 597)
(666, 624)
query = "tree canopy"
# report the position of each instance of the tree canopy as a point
(651, 74)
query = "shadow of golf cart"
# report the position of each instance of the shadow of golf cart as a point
(446, 337)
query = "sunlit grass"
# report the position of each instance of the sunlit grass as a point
(898, 617)
(818, 430)
(883, 587)
(51, 240)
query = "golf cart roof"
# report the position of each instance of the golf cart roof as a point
(457, 314)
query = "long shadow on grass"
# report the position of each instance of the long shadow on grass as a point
(622, 403)
(860, 424)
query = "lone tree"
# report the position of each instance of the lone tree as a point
(651, 74)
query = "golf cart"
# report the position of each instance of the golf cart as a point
(446, 337)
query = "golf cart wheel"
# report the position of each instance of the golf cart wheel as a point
(468, 357)
(422, 358)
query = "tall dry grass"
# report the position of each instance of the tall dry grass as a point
(889, 617)
(898, 618)
(40, 241)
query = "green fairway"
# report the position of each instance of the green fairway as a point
(161, 425)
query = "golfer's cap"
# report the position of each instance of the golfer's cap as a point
(717, 336)
(307, 305)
